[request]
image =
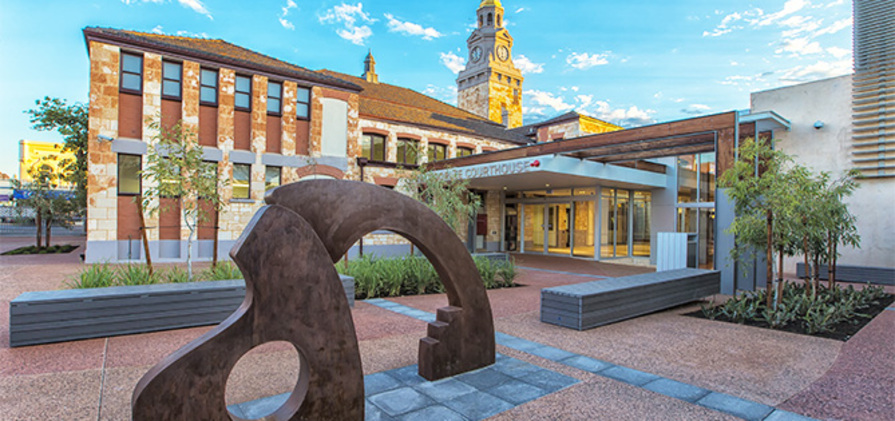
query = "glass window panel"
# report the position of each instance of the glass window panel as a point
(272, 177)
(707, 177)
(584, 233)
(273, 106)
(129, 167)
(131, 81)
(607, 224)
(407, 151)
(209, 95)
(242, 176)
(706, 247)
(642, 218)
(687, 174)
(534, 228)
(132, 63)
(585, 192)
(243, 101)
(274, 90)
(243, 84)
(511, 223)
(171, 70)
(301, 110)
(622, 217)
(303, 95)
(210, 78)
(378, 148)
(171, 88)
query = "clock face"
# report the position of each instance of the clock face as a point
(476, 54)
(503, 53)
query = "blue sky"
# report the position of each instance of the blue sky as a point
(630, 62)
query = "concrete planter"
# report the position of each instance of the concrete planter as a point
(56, 316)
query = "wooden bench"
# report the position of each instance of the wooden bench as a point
(56, 316)
(591, 304)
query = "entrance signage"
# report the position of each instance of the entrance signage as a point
(496, 169)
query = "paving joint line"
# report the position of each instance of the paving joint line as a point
(699, 396)
(559, 272)
(102, 381)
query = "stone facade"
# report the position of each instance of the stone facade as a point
(580, 126)
(102, 166)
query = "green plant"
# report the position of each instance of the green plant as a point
(134, 275)
(708, 311)
(820, 319)
(507, 271)
(488, 271)
(98, 275)
(175, 275)
(223, 271)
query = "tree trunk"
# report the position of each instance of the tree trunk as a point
(49, 224)
(816, 276)
(832, 266)
(807, 266)
(38, 222)
(214, 257)
(144, 233)
(780, 277)
(770, 258)
(189, 247)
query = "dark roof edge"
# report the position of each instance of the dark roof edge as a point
(95, 33)
(443, 129)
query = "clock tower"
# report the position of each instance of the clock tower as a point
(491, 85)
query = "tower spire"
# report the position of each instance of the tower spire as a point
(370, 68)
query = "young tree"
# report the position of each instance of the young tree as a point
(839, 223)
(42, 195)
(71, 122)
(445, 193)
(176, 170)
(758, 184)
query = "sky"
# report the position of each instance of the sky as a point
(632, 62)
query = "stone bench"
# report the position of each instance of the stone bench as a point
(56, 316)
(591, 304)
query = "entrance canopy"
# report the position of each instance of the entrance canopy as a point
(582, 160)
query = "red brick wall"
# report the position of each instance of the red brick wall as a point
(208, 126)
(274, 134)
(302, 137)
(169, 219)
(242, 131)
(171, 113)
(128, 218)
(130, 116)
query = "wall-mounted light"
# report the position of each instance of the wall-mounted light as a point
(818, 125)
(104, 138)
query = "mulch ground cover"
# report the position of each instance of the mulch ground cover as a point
(57, 249)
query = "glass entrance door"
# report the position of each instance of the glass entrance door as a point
(559, 236)
(534, 228)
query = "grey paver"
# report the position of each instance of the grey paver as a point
(263, 407)
(401, 401)
(479, 405)
(678, 390)
(629, 375)
(549, 380)
(551, 353)
(445, 389)
(515, 368)
(433, 413)
(748, 410)
(586, 363)
(483, 379)
(517, 392)
(408, 375)
(373, 413)
(380, 382)
(781, 415)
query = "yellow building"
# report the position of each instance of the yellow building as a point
(31, 152)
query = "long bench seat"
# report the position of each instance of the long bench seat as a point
(849, 273)
(66, 315)
(587, 305)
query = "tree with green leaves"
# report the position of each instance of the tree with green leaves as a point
(70, 121)
(176, 169)
(445, 193)
(43, 196)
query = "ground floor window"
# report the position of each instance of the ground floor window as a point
(699, 221)
(242, 179)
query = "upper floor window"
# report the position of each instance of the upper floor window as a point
(437, 152)
(129, 167)
(303, 110)
(172, 75)
(374, 147)
(208, 87)
(243, 97)
(131, 73)
(461, 151)
(242, 180)
(274, 97)
(408, 151)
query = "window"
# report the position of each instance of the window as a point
(374, 147)
(172, 74)
(242, 179)
(208, 87)
(464, 152)
(437, 152)
(129, 167)
(131, 73)
(272, 177)
(274, 97)
(243, 96)
(303, 110)
(408, 151)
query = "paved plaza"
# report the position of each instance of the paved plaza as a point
(661, 366)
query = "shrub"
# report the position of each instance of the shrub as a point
(224, 271)
(99, 275)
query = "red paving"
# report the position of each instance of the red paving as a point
(859, 385)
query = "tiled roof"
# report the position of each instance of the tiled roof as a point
(216, 50)
(394, 103)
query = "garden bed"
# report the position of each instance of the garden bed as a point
(834, 314)
(57, 249)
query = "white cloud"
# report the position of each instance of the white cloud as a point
(348, 15)
(696, 109)
(584, 61)
(790, 7)
(545, 104)
(819, 70)
(526, 66)
(547, 99)
(290, 4)
(158, 30)
(195, 5)
(838, 52)
(453, 62)
(521, 9)
(410, 28)
(448, 94)
(835, 27)
(626, 117)
(799, 46)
